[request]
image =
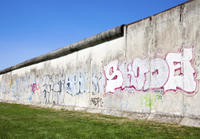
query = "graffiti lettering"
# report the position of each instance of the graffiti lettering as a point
(114, 78)
(176, 72)
(182, 74)
(98, 102)
(35, 87)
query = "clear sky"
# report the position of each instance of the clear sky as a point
(30, 28)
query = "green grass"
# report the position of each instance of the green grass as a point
(20, 121)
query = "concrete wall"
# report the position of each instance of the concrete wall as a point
(151, 72)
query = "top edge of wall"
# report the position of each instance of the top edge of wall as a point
(149, 17)
(88, 42)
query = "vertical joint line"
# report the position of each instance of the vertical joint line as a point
(125, 39)
(181, 13)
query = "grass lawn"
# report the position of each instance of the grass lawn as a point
(20, 121)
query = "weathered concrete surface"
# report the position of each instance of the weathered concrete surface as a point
(149, 69)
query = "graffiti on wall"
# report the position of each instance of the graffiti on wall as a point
(98, 82)
(97, 101)
(50, 88)
(173, 72)
(35, 87)
(19, 88)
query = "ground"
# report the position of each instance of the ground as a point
(20, 121)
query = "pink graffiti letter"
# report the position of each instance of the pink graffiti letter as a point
(159, 73)
(113, 77)
(181, 75)
(140, 69)
(34, 87)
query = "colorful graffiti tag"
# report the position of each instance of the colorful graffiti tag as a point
(172, 73)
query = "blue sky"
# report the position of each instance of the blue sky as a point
(30, 28)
